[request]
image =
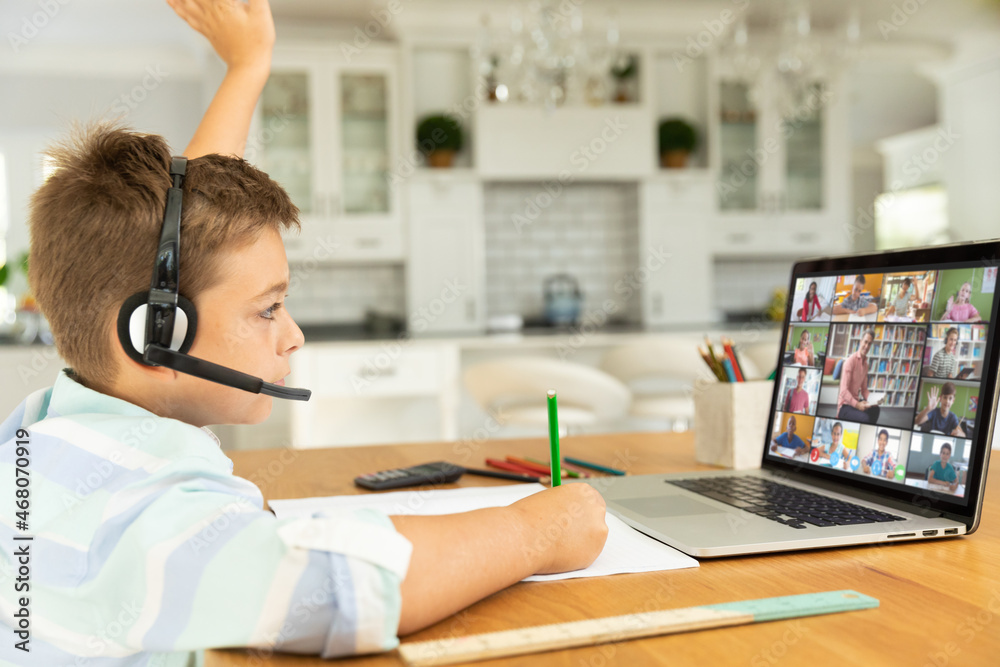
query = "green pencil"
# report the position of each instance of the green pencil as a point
(554, 458)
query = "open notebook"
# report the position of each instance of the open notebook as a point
(626, 550)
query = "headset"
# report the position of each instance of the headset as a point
(157, 328)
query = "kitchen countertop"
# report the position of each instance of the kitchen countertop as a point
(358, 333)
(540, 336)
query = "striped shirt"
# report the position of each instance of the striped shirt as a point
(146, 548)
(943, 365)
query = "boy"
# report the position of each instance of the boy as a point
(856, 303)
(937, 416)
(146, 548)
(880, 462)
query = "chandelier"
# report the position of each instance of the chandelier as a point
(785, 65)
(545, 55)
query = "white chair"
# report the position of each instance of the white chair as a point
(661, 375)
(513, 390)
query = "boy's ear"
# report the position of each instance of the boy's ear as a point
(131, 326)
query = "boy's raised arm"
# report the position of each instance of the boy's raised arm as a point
(242, 34)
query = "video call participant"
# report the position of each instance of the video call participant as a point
(835, 446)
(804, 353)
(856, 303)
(900, 306)
(812, 305)
(880, 455)
(797, 399)
(854, 385)
(944, 364)
(937, 416)
(789, 440)
(942, 473)
(959, 308)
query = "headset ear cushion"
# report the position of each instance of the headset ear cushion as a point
(131, 326)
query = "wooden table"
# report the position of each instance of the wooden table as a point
(940, 600)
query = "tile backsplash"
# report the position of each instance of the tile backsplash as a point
(342, 294)
(588, 230)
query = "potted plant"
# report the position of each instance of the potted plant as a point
(624, 70)
(677, 139)
(439, 137)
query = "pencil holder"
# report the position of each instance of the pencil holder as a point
(730, 423)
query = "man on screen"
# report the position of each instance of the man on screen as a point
(852, 401)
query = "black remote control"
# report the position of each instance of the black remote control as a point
(438, 472)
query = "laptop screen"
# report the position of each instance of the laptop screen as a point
(886, 374)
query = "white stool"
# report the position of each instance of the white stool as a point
(513, 390)
(661, 375)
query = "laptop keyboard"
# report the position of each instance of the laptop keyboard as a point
(785, 504)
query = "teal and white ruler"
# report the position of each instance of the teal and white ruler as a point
(631, 626)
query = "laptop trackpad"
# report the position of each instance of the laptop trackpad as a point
(673, 505)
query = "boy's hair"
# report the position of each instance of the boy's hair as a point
(95, 227)
(948, 389)
(859, 279)
(946, 445)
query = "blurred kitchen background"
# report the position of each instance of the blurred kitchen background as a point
(492, 185)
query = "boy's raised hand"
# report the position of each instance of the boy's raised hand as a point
(241, 33)
(933, 396)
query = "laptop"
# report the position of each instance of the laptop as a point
(885, 438)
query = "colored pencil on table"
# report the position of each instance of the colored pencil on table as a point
(593, 466)
(565, 471)
(512, 476)
(512, 467)
(539, 468)
(579, 469)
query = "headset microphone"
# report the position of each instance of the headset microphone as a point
(162, 323)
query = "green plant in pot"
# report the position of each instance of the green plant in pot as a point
(439, 137)
(624, 70)
(677, 139)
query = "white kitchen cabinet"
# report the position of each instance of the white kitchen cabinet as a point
(783, 182)
(675, 253)
(397, 390)
(445, 272)
(327, 129)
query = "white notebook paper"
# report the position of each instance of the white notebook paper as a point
(627, 550)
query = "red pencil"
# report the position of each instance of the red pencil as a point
(512, 467)
(727, 346)
(535, 467)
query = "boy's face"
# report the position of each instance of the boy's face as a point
(242, 324)
(945, 402)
